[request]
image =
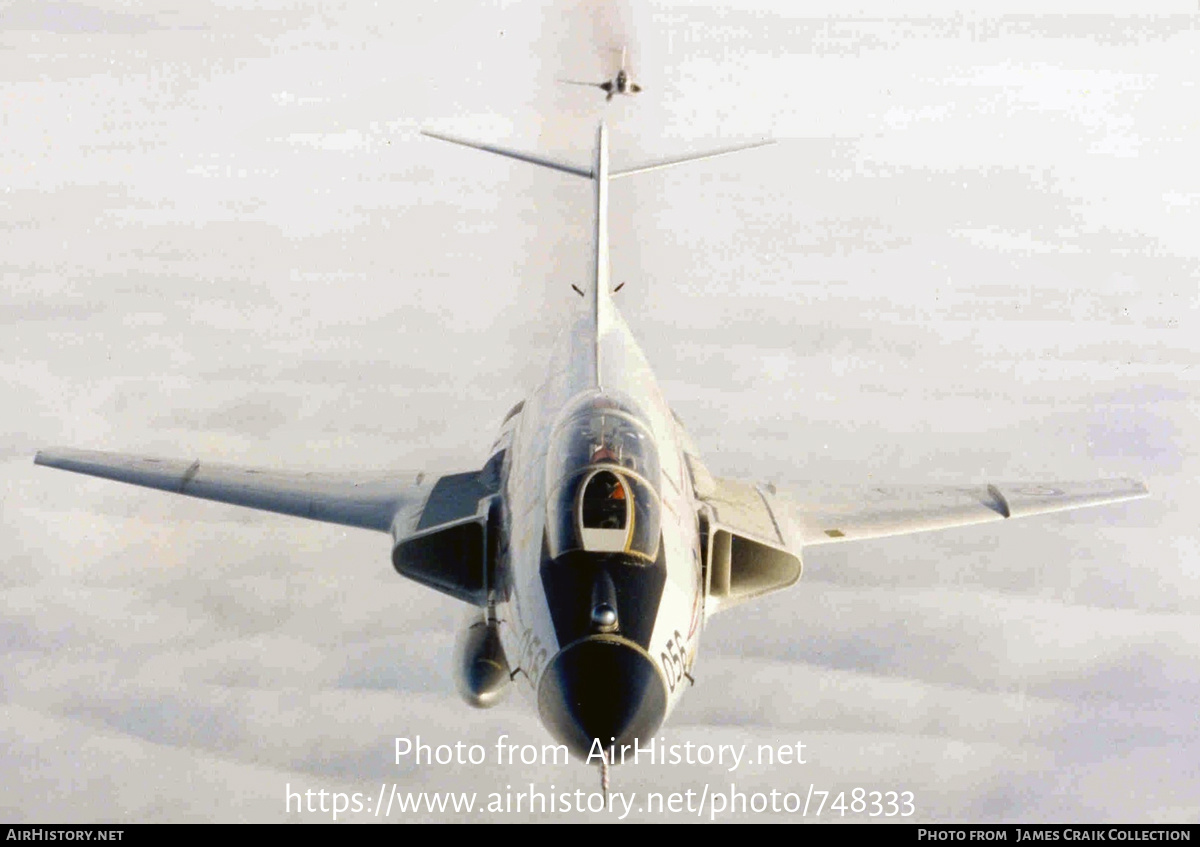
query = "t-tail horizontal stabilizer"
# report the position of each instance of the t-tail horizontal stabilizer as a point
(588, 172)
(670, 163)
(513, 154)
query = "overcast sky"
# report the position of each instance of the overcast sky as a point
(971, 258)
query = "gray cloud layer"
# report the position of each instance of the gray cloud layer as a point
(971, 257)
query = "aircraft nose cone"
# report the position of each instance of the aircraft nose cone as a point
(601, 687)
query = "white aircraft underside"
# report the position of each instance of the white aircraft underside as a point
(594, 543)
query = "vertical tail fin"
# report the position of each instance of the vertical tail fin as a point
(601, 174)
(601, 294)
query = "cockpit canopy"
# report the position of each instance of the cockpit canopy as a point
(602, 482)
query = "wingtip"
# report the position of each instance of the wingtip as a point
(441, 136)
(52, 457)
(47, 455)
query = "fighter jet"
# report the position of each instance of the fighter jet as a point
(593, 544)
(619, 84)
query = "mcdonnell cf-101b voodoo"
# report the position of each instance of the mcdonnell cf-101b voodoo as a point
(619, 84)
(593, 543)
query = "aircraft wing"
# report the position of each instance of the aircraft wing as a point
(607, 85)
(832, 514)
(754, 535)
(366, 501)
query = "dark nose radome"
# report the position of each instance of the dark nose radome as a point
(601, 687)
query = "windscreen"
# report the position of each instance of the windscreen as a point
(602, 482)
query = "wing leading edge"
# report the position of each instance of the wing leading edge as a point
(365, 501)
(828, 515)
